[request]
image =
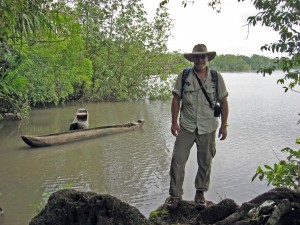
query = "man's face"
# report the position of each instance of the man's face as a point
(200, 61)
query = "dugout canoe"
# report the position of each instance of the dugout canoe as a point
(79, 135)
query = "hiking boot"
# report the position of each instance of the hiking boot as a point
(200, 202)
(172, 202)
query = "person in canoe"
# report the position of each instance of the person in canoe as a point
(202, 94)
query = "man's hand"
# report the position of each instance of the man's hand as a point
(222, 133)
(224, 117)
(175, 129)
(175, 112)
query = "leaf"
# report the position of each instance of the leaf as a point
(255, 175)
(268, 167)
(261, 176)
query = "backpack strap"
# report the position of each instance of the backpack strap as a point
(185, 74)
(214, 78)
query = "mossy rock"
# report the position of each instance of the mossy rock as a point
(87, 208)
(185, 213)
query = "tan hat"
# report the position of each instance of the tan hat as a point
(199, 49)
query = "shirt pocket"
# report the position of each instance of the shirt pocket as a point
(189, 94)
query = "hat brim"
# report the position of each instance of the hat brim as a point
(190, 56)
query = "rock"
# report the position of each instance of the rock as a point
(73, 207)
(185, 213)
(291, 218)
(218, 212)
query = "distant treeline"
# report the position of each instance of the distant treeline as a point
(231, 63)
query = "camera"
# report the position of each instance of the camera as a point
(217, 110)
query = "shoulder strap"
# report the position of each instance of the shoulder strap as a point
(214, 75)
(185, 74)
(214, 78)
(204, 92)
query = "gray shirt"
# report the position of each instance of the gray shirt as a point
(195, 111)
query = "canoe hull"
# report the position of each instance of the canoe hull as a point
(79, 135)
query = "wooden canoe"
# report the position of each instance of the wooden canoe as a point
(78, 135)
(81, 120)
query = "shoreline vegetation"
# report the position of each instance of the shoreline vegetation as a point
(241, 63)
(106, 51)
(44, 89)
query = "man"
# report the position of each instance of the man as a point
(197, 123)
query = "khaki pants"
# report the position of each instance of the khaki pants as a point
(206, 150)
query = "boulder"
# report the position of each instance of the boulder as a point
(71, 207)
(218, 212)
(186, 213)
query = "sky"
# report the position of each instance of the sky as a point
(225, 32)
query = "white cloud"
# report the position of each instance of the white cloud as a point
(225, 32)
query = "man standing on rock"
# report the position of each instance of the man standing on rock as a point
(200, 91)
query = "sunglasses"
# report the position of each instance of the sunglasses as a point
(197, 57)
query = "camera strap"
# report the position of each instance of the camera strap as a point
(204, 92)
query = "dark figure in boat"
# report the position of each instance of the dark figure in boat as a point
(81, 120)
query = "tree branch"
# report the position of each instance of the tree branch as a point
(283, 207)
(284, 197)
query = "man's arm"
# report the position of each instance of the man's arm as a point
(224, 117)
(175, 107)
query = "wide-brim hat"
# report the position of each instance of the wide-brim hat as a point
(199, 49)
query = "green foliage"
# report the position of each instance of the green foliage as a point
(54, 69)
(257, 61)
(24, 23)
(19, 20)
(225, 63)
(29, 21)
(283, 17)
(284, 173)
(127, 50)
(12, 85)
(100, 51)
(230, 63)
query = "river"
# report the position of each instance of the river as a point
(134, 166)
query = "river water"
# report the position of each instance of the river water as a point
(134, 166)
